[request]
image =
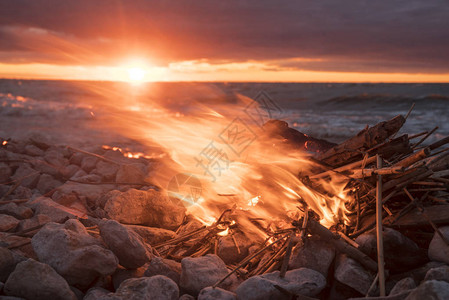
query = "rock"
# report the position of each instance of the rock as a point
(418, 274)
(67, 199)
(352, 274)
(91, 192)
(35, 280)
(400, 296)
(315, 254)
(438, 250)
(28, 176)
(88, 163)
(1, 287)
(55, 158)
(47, 183)
(32, 150)
(106, 170)
(70, 170)
(394, 243)
(403, 285)
(200, 272)
(77, 158)
(73, 253)
(259, 288)
(432, 289)
(125, 243)
(7, 263)
(153, 235)
(39, 139)
(17, 211)
(210, 293)
(78, 174)
(161, 266)
(46, 168)
(5, 172)
(89, 178)
(56, 212)
(439, 273)
(21, 193)
(79, 295)
(122, 274)
(95, 293)
(150, 208)
(8, 223)
(134, 173)
(187, 297)
(227, 248)
(302, 281)
(148, 288)
(36, 220)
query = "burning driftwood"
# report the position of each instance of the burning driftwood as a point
(294, 256)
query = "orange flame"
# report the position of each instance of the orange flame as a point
(224, 146)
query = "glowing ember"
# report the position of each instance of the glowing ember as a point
(224, 232)
(129, 154)
(4, 143)
(254, 201)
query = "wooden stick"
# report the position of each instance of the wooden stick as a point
(439, 143)
(424, 138)
(372, 286)
(430, 183)
(361, 173)
(315, 227)
(348, 240)
(14, 201)
(417, 135)
(380, 242)
(409, 111)
(344, 168)
(365, 139)
(19, 244)
(415, 157)
(405, 180)
(181, 238)
(14, 187)
(246, 260)
(94, 155)
(288, 253)
(269, 262)
(445, 240)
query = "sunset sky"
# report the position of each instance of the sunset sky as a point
(213, 40)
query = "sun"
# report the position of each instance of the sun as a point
(136, 74)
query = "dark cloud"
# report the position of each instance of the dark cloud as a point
(352, 35)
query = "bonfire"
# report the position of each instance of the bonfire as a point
(234, 206)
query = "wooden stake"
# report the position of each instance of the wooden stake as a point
(380, 243)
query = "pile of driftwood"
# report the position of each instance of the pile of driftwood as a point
(407, 177)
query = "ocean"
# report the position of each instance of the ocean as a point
(66, 110)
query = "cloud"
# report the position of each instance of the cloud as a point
(351, 35)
